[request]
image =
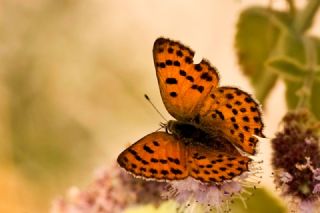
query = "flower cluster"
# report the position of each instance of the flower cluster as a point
(191, 194)
(296, 160)
(112, 191)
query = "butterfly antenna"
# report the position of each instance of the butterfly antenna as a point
(154, 107)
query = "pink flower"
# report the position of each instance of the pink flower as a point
(285, 177)
(296, 154)
(316, 189)
(190, 193)
(112, 191)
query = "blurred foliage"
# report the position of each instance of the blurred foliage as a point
(40, 132)
(260, 201)
(166, 207)
(315, 100)
(288, 69)
(44, 143)
(271, 45)
(258, 32)
(54, 100)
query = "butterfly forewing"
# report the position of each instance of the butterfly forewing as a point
(236, 114)
(190, 93)
(157, 156)
(183, 84)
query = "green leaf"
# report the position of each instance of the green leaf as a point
(287, 69)
(291, 46)
(257, 35)
(315, 99)
(258, 31)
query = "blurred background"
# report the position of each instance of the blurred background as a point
(72, 79)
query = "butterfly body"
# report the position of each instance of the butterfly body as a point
(190, 134)
(211, 121)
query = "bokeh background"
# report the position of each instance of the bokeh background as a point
(72, 79)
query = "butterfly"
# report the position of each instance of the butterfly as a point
(212, 123)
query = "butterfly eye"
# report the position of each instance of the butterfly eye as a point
(169, 127)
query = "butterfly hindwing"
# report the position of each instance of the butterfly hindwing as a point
(183, 84)
(236, 114)
(209, 165)
(158, 156)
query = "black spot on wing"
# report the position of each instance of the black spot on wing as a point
(190, 78)
(162, 65)
(179, 53)
(173, 94)
(153, 160)
(188, 60)
(168, 62)
(153, 171)
(220, 114)
(197, 87)
(198, 67)
(229, 96)
(164, 172)
(148, 149)
(171, 81)
(176, 171)
(206, 76)
(163, 161)
(176, 63)
(182, 73)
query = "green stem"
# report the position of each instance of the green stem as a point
(304, 18)
(264, 86)
(311, 56)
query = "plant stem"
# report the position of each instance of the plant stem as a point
(304, 18)
(292, 7)
(263, 87)
(306, 90)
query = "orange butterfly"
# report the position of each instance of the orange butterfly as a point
(211, 121)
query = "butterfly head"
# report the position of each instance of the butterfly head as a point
(179, 129)
(169, 126)
(186, 131)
